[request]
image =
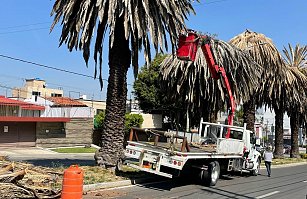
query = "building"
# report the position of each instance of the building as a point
(45, 122)
(77, 131)
(36, 87)
(18, 122)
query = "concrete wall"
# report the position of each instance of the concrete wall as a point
(152, 120)
(76, 132)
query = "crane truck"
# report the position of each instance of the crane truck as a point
(218, 148)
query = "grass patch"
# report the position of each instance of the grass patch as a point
(75, 150)
(286, 161)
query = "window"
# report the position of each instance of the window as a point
(56, 95)
(36, 93)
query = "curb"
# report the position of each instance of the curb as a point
(289, 165)
(107, 185)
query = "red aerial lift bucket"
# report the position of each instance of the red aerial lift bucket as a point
(187, 46)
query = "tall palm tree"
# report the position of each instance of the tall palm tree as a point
(295, 59)
(194, 86)
(130, 25)
(272, 90)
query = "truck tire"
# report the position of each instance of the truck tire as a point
(255, 172)
(210, 177)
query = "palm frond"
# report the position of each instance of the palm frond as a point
(191, 82)
(273, 88)
(145, 22)
(295, 60)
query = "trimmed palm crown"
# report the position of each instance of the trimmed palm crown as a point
(79, 19)
(193, 83)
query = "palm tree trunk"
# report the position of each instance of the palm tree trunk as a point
(294, 123)
(112, 138)
(249, 114)
(279, 133)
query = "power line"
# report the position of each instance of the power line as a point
(25, 25)
(206, 3)
(45, 66)
(27, 30)
(51, 67)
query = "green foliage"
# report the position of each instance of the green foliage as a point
(75, 150)
(98, 120)
(239, 116)
(133, 120)
(147, 86)
(304, 155)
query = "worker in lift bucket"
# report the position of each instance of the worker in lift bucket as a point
(268, 156)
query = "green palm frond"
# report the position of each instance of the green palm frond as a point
(191, 82)
(295, 60)
(296, 57)
(144, 22)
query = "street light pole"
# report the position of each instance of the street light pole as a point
(266, 132)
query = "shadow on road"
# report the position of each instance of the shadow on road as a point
(60, 162)
(221, 192)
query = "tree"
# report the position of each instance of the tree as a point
(295, 59)
(98, 120)
(152, 98)
(191, 82)
(272, 91)
(128, 24)
(147, 87)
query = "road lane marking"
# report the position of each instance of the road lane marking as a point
(268, 194)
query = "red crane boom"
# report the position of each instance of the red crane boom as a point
(187, 48)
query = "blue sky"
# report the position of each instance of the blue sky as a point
(24, 34)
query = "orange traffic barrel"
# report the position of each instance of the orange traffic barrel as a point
(72, 187)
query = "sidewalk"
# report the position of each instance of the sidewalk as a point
(44, 157)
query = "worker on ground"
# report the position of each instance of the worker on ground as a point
(268, 156)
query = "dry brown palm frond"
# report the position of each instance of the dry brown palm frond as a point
(145, 22)
(191, 82)
(260, 47)
(272, 90)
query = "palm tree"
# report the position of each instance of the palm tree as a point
(194, 86)
(295, 59)
(130, 25)
(272, 90)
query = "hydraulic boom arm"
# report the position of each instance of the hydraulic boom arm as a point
(187, 48)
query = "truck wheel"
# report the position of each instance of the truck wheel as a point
(211, 176)
(255, 172)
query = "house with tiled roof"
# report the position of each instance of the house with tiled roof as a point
(49, 122)
(18, 122)
(77, 131)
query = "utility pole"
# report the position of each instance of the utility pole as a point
(267, 128)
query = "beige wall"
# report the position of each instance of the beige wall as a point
(35, 85)
(152, 120)
(94, 104)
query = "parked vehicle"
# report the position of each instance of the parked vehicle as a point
(208, 159)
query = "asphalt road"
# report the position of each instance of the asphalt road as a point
(285, 183)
